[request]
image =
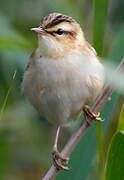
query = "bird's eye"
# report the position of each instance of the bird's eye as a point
(60, 31)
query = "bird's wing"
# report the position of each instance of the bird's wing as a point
(31, 61)
(91, 49)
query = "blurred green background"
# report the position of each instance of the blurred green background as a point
(25, 138)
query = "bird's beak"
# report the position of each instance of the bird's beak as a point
(39, 30)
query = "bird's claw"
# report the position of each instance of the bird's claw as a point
(59, 161)
(93, 116)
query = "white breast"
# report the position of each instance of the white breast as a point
(59, 88)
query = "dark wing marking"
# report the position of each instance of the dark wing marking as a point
(30, 61)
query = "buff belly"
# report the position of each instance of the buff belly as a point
(59, 90)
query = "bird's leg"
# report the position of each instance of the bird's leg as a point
(58, 160)
(88, 113)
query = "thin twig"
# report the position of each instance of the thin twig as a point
(74, 140)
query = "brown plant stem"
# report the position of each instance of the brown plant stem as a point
(74, 140)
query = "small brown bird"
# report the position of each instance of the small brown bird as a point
(63, 75)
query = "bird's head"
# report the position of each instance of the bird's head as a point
(58, 35)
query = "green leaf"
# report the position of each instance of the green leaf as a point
(121, 119)
(115, 161)
(100, 16)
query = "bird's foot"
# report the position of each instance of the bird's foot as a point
(91, 115)
(59, 161)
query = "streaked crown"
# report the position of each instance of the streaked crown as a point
(54, 19)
